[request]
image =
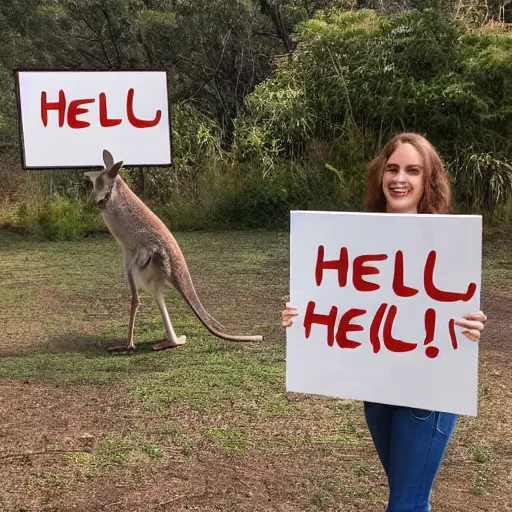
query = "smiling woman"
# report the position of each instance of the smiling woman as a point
(408, 176)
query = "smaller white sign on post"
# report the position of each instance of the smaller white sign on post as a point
(376, 296)
(67, 118)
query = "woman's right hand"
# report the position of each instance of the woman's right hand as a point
(288, 314)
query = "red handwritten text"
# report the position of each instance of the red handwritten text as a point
(75, 109)
(385, 315)
(399, 288)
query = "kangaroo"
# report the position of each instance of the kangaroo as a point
(152, 258)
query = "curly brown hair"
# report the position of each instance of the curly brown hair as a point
(437, 191)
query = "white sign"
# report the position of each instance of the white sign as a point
(376, 295)
(67, 118)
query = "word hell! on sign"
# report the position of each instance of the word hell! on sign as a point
(75, 109)
(361, 269)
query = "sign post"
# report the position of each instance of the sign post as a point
(67, 118)
(376, 296)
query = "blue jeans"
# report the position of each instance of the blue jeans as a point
(410, 444)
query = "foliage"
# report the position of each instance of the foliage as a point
(276, 105)
(57, 219)
(360, 77)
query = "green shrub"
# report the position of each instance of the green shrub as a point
(307, 132)
(56, 219)
(62, 219)
(357, 78)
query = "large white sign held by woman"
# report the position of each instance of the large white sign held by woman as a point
(377, 295)
(67, 118)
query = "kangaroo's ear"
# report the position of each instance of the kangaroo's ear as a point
(114, 170)
(92, 175)
(108, 159)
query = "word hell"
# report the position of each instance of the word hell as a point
(74, 109)
(345, 326)
(361, 269)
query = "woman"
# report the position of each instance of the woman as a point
(408, 177)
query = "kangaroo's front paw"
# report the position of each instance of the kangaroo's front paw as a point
(170, 344)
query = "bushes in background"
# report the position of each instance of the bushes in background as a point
(306, 133)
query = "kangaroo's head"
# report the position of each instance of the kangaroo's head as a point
(104, 180)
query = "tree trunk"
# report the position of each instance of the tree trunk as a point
(273, 10)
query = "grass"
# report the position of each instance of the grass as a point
(208, 426)
(322, 500)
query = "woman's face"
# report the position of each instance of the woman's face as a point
(402, 180)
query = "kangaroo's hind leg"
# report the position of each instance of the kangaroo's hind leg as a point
(133, 311)
(152, 278)
(171, 340)
(134, 305)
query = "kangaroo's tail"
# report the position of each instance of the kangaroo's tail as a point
(180, 278)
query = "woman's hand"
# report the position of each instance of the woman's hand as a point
(473, 325)
(288, 314)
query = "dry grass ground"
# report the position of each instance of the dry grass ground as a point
(209, 426)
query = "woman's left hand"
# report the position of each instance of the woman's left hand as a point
(473, 325)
